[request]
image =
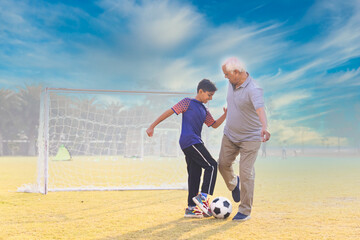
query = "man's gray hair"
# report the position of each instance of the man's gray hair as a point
(232, 64)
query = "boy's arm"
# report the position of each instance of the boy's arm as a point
(220, 120)
(165, 115)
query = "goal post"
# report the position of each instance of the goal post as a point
(104, 130)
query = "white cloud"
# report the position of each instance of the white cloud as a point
(257, 43)
(339, 36)
(350, 77)
(284, 131)
(345, 31)
(163, 25)
(336, 43)
(144, 42)
(8, 82)
(308, 117)
(289, 99)
(180, 74)
(290, 79)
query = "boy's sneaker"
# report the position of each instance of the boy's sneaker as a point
(203, 204)
(206, 215)
(236, 192)
(241, 217)
(193, 212)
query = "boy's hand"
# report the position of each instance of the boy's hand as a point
(150, 131)
(225, 110)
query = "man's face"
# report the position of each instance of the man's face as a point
(232, 76)
(206, 96)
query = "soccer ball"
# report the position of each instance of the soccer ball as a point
(221, 207)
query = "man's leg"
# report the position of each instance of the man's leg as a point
(248, 154)
(228, 153)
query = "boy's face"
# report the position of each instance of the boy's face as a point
(205, 96)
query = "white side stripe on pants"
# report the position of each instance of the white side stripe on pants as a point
(212, 172)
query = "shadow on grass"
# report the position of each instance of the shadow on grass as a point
(181, 228)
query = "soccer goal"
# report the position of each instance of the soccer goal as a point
(96, 140)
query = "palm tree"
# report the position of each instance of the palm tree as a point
(7, 107)
(29, 110)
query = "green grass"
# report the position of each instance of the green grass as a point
(296, 198)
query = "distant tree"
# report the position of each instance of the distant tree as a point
(336, 125)
(356, 131)
(7, 106)
(87, 112)
(113, 111)
(28, 115)
(326, 142)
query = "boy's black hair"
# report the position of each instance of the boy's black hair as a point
(206, 85)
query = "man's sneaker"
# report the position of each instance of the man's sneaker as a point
(236, 192)
(193, 212)
(241, 217)
(203, 204)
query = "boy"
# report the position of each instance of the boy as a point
(195, 114)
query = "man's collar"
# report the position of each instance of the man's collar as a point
(248, 79)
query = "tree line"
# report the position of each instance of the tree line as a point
(19, 122)
(20, 110)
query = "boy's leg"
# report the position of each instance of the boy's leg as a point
(248, 154)
(203, 159)
(194, 175)
(228, 154)
(200, 156)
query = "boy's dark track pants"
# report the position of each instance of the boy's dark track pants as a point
(198, 158)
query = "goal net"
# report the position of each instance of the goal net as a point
(96, 140)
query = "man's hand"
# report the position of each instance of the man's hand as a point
(150, 131)
(265, 135)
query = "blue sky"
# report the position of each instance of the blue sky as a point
(305, 54)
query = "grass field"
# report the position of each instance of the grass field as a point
(117, 171)
(296, 198)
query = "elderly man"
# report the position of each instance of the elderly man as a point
(245, 129)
